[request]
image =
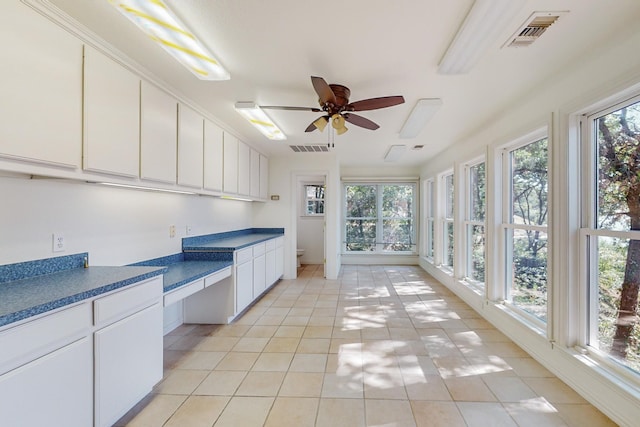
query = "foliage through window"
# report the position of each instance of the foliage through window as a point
(380, 217)
(430, 218)
(474, 223)
(526, 227)
(448, 223)
(612, 233)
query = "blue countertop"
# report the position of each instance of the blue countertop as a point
(34, 287)
(20, 299)
(230, 241)
(184, 268)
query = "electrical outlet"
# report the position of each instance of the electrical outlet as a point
(172, 231)
(189, 230)
(58, 242)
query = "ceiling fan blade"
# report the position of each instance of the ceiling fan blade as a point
(360, 121)
(280, 107)
(323, 90)
(375, 103)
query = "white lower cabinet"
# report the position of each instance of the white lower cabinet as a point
(127, 348)
(53, 390)
(128, 363)
(244, 285)
(259, 277)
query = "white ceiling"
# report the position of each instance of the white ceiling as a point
(375, 47)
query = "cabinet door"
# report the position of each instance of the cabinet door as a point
(255, 174)
(279, 261)
(158, 134)
(128, 363)
(41, 87)
(244, 285)
(111, 116)
(190, 147)
(244, 169)
(264, 177)
(259, 275)
(53, 390)
(213, 157)
(270, 268)
(230, 182)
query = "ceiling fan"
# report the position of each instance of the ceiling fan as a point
(334, 102)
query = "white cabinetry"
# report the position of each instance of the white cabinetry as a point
(214, 302)
(230, 182)
(111, 116)
(255, 174)
(244, 169)
(243, 278)
(190, 147)
(213, 156)
(46, 370)
(259, 270)
(279, 257)
(128, 348)
(41, 87)
(158, 129)
(264, 177)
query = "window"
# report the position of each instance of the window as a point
(313, 200)
(430, 218)
(380, 217)
(525, 227)
(474, 224)
(447, 220)
(612, 231)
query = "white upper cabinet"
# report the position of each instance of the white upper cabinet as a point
(230, 182)
(158, 134)
(111, 116)
(213, 156)
(190, 147)
(264, 177)
(255, 174)
(41, 87)
(244, 169)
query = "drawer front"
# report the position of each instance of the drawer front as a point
(270, 244)
(31, 340)
(183, 292)
(127, 301)
(258, 249)
(244, 255)
(217, 276)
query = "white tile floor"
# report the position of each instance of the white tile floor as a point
(380, 346)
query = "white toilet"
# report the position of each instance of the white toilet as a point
(299, 254)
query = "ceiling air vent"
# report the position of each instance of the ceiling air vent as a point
(533, 28)
(309, 148)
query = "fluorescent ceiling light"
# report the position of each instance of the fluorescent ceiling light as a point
(420, 115)
(481, 27)
(138, 187)
(260, 120)
(394, 153)
(163, 26)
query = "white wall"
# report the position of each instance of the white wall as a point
(608, 69)
(283, 172)
(116, 226)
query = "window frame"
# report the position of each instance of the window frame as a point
(430, 219)
(444, 221)
(380, 219)
(507, 228)
(468, 223)
(589, 233)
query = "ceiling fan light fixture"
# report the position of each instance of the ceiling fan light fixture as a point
(337, 121)
(321, 123)
(258, 118)
(481, 27)
(162, 25)
(422, 112)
